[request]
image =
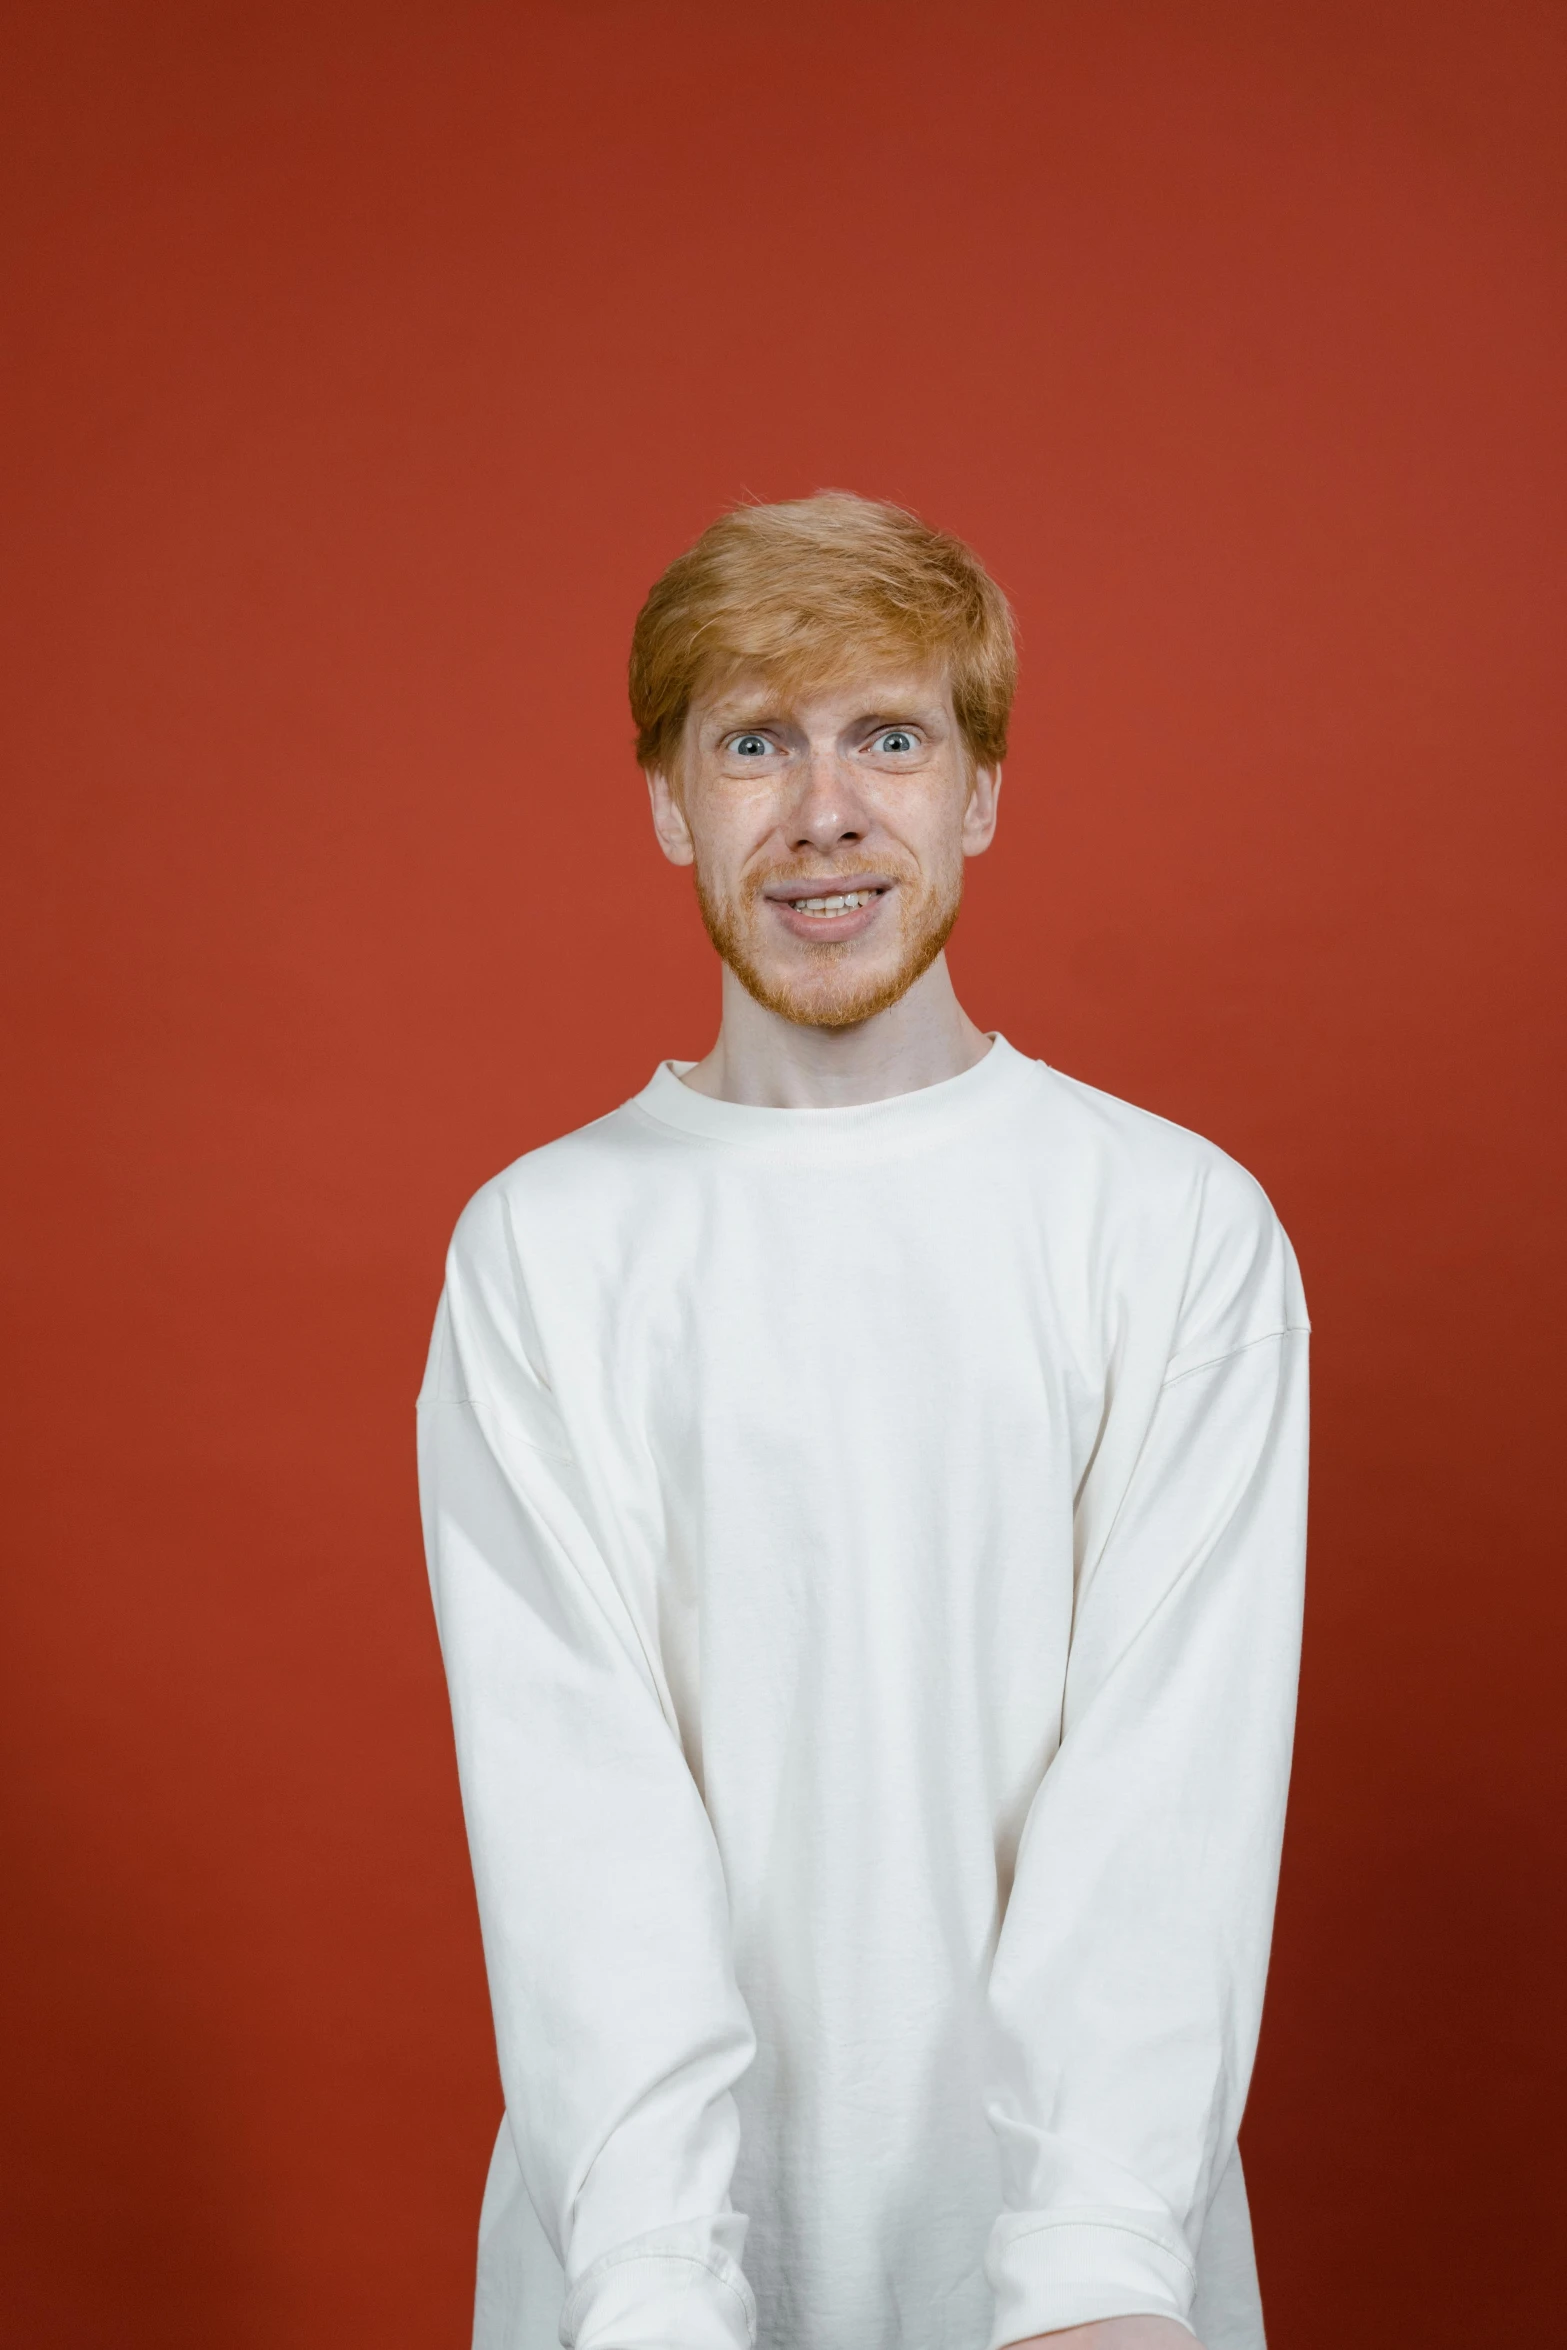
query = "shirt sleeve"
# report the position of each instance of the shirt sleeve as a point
(1127, 1985)
(619, 2025)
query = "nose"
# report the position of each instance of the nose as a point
(828, 812)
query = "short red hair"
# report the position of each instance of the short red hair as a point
(810, 591)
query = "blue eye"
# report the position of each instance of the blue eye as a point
(897, 738)
(751, 746)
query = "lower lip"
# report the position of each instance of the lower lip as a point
(831, 928)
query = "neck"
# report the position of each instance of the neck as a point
(774, 1064)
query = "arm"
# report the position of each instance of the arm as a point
(1128, 1980)
(619, 2025)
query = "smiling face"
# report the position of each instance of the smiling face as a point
(828, 831)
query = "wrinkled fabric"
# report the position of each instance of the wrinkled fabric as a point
(867, 1547)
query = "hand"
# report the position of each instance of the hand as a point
(1115, 2333)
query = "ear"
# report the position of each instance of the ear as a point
(979, 816)
(669, 819)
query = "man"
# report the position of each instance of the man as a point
(864, 1489)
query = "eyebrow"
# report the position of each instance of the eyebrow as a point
(772, 714)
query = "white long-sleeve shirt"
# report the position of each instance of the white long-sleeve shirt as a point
(867, 1547)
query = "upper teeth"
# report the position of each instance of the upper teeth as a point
(838, 905)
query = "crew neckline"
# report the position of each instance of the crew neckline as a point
(898, 1119)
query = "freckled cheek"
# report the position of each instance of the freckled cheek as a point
(730, 822)
(922, 814)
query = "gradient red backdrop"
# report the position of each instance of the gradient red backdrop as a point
(366, 364)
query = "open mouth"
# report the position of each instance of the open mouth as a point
(844, 902)
(836, 913)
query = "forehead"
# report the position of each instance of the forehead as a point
(890, 690)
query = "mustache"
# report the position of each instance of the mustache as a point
(793, 870)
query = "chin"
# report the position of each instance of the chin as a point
(814, 1006)
(841, 997)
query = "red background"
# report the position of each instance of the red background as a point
(372, 360)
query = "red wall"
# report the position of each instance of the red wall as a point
(373, 359)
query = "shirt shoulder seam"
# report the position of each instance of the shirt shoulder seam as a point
(476, 1404)
(1229, 1353)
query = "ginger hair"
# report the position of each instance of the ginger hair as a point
(807, 593)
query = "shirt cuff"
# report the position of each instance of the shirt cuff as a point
(676, 2288)
(1050, 2271)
